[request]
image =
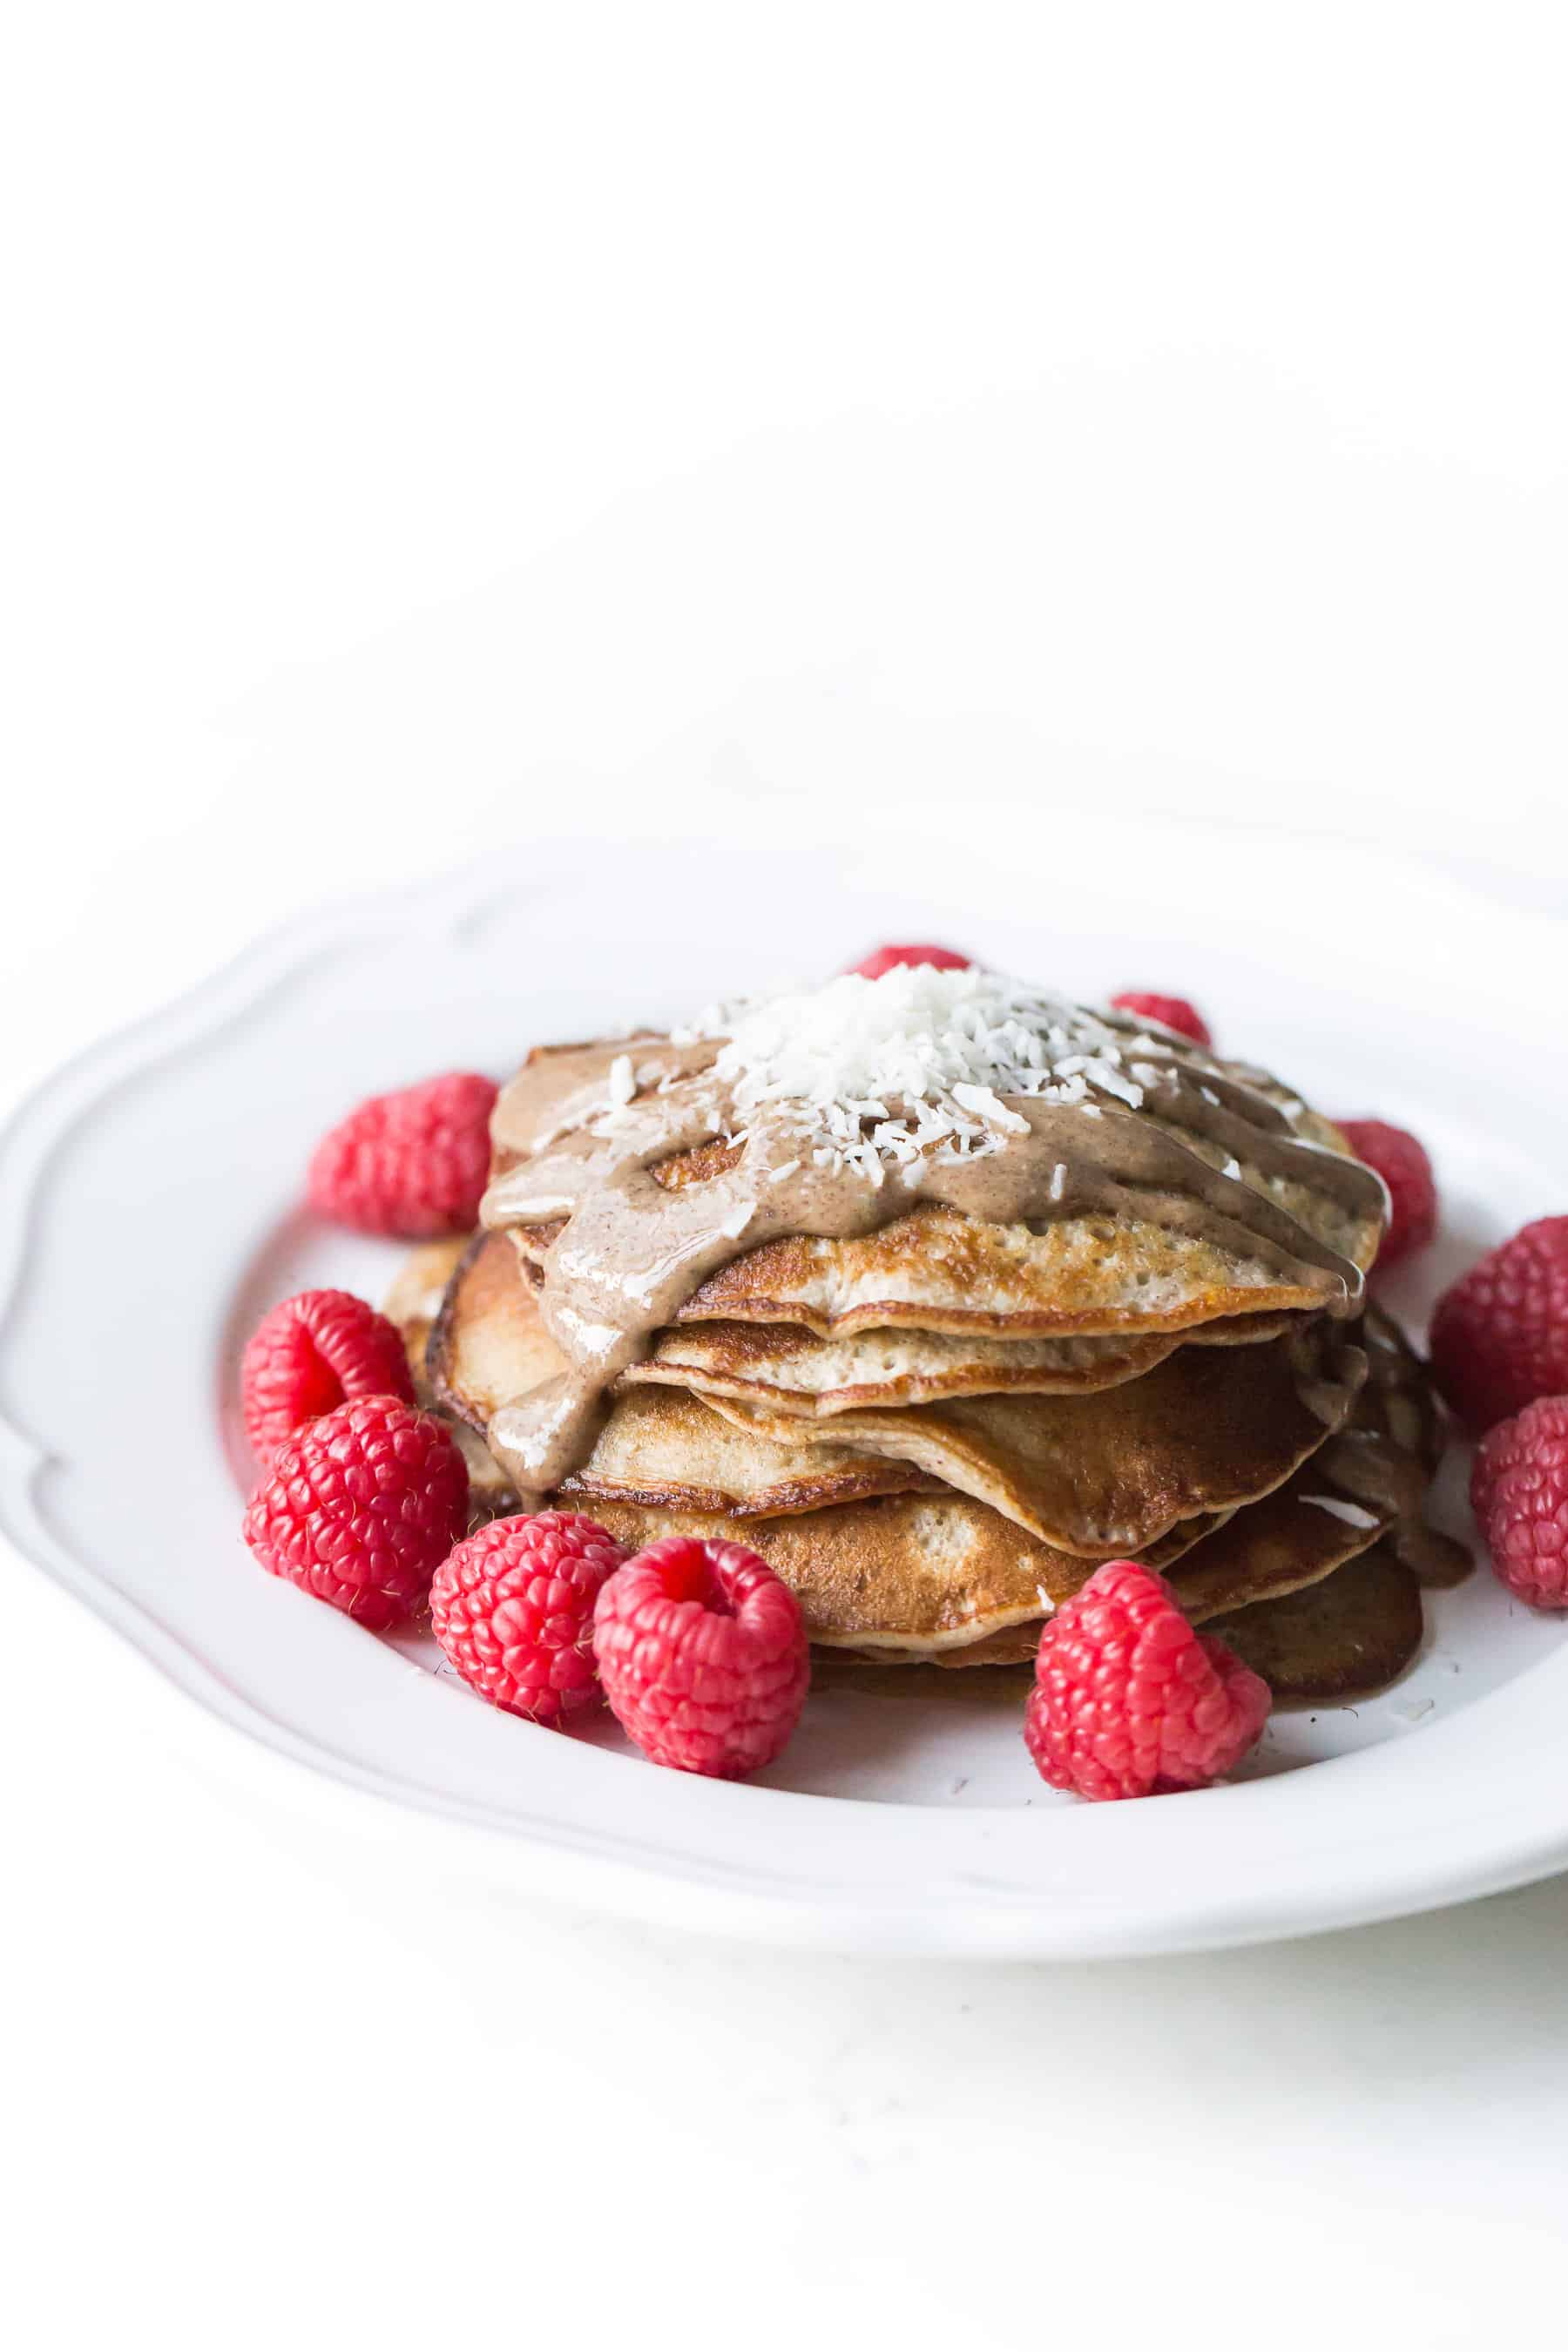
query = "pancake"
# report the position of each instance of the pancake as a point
(1366, 1485)
(1353, 1633)
(488, 1343)
(1290, 1538)
(1092, 1475)
(1203, 1191)
(1139, 1267)
(1362, 1490)
(952, 1582)
(414, 1303)
(491, 1345)
(1349, 1634)
(414, 1299)
(918, 1575)
(787, 1367)
(1280, 1546)
(929, 1572)
(665, 1447)
(1105, 1476)
(669, 1451)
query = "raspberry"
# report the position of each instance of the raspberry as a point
(1405, 1168)
(412, 1163)
(513, 1609)
(307, 1356)
(1519, 1489)
(881, 960)
(704, 1655)
(1499, 1335)
(1173, 1011)
(1129, 1701)
(362, 1507)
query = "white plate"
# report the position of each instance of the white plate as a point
(145, 1220)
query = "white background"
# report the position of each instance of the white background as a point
(427, 425)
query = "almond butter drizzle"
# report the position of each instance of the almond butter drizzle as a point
(632, 1251)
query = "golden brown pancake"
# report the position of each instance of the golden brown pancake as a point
(414, 1303)
(1139, 1270)
(1301, 1532)
(419, 1289)
(911, 1570)
(918, 1573)
(1092, 1475)
(1353, 1633)
(980, 1593)
(789, 1370)
(1106, 1474)
(665, 1447)
(1144, 1259)
(1362, 1490)
(488, 1343)
(1324, 1615)
(670, 1451)
(929, 1571)
(1349, 1634)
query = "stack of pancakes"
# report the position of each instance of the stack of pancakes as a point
(937, 1430)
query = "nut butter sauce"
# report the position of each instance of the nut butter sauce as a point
(632, 1250)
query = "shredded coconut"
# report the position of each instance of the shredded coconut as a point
(917, 1061)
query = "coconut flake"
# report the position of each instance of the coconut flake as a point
(918, 1061)
(990, 1107)
(1351, 1513)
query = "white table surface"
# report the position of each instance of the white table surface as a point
(424, 443)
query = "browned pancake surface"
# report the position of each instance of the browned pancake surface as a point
(907, 1570)
(790, 1370)
(1145, 1271)
(1109, 1473)
(665, 1447)
(488, 1343)
(1353, 1633)
(414, 1304)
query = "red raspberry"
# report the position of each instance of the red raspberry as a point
(1500, 1334)
(881, 960)
(1129, 1701)
(703, 1654)
(362, 1507)
(1405, 1168)
(307, 1356)
(412, 1163)
(513, 1609)
(1173, 1011)
(1519, 1489)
